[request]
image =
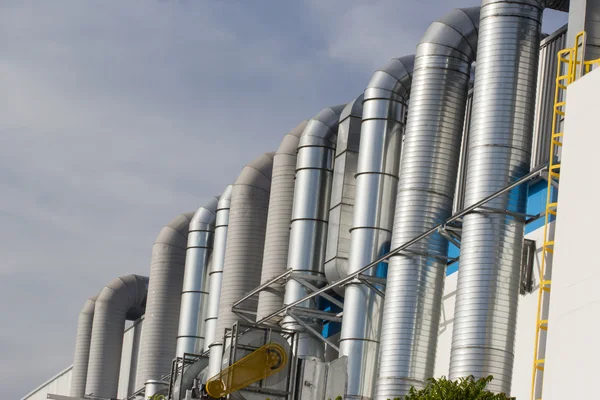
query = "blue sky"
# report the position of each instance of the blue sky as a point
(116, 116)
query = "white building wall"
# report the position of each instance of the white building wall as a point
(572, 355)
(59, 384)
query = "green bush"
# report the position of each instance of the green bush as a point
(463, 389)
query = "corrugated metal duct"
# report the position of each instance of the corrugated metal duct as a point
(158, 345)
(215, 281)
(245, 241)
(499, 153)
(194, 295)
(123, 299)
(383, 120)
(277, 237)
(343, 192)
(82, 348)
(428, 171)
(310, 214)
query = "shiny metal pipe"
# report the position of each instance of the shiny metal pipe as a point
(428, 171)
(245, 239)
(310, 214)
(499, 153)
(123, 299)
(343, 192)
(383, 121)
(157, 347)
(215, 282)
(193, 294)
(82, 348)
(277, 236)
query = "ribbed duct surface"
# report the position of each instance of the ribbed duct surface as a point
(383, 120)
(193, 294)
(343, 192)
(310, 214)
(428, 171)
(215, 281)
(82, 348)
(123, 299)
(499, 153)
(245, 239)
(277, 237)
(158, 345)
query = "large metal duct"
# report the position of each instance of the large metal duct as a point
(158, 345)
(428, 171)
(215, 281)
(382, 127)
(193, 294)
(245, 240)
(123, 299)
(277, 237)
(82, 348)
(343, 192)
(310, 214)
(499, 153)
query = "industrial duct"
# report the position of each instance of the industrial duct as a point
(383, 120)
(310, 214)
(499, 153)
(157, 348)
(245, 243)
(428, 171)
(343, 192)
(123, 299)
(277, 236)
(193, 295)
(215, 281)
(82, 348)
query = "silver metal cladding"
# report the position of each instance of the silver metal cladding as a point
(277, 237)
(499, 153)
(82, 348)
(123, 299)
(245, 240)
(428, 170)
(383, 120)
(193, 294)
(310, 214)
(215, 282)
(157, 348)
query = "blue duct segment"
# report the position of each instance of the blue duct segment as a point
(536, 205)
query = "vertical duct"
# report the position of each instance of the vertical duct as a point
(245, 241)
(310, 214)
(158, 345)
(428, 171)
(123, 299)
(82, 348)
(193, 295)
(499, 153)
(343, 192)
(277, 235)
(215, 281)
(383, 120)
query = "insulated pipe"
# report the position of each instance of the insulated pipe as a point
(277, 236)
(343, 192)
(310, 214)
(215, 281)
(245, 241)
(82, 348)
(157, 348)
(383, 121)
(499, 153)
(123, 299)
(428, 171)
(193, 295)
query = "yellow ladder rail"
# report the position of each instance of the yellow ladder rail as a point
(569, 62)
